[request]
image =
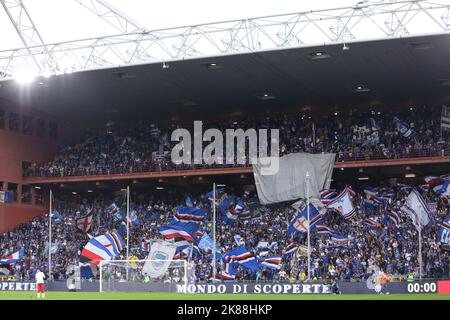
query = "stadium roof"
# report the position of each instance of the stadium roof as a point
(406, 69)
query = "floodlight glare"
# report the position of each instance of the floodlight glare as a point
(24, 76)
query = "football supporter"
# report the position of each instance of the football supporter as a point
(391, 246)
(352, 136)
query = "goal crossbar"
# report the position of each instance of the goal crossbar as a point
(140, 275)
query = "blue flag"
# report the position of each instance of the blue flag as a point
(186, 214)
(55, 215)
(403, 128)
(207, 244)
(228, 214)
(299, 224)
(176, 230)
(242, 257)
(444, 233)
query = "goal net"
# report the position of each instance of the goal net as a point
(145, 275)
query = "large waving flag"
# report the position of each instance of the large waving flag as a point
(159, 259)
(323, 230)
(340, 239)
(226, 208)
(56, 216)
(243, 257)
(327, 195)
(394, 217)
(444, 189)
(189, 214)
(417, 209)
(207, 244)
(242, 210)
(343, 204)
(134, 220)
(120, 215)
(104, 247)
(176, 229)
(444, 233)
(227, 271)
(403, 128)
(273, 263)
(372, 196)
(114, 211)
(291, 248)
(13, 258)
(84, 223)
(299, 224)
(210, 195)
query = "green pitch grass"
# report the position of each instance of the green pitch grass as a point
(12, 295)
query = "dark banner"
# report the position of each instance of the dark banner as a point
(413, 287)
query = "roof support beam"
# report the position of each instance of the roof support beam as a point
(24, 26)
(111, 15)
(363, 22)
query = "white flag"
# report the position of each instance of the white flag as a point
(417, 209)
(159, 259)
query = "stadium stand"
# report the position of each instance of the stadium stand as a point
(352, 136)
(374, 235)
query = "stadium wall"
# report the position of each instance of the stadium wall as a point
(19, 144)
(13, 215)
(416, 287)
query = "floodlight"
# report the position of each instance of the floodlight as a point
(24, 76)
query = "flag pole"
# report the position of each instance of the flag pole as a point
(309, 238)
(50, 236)
(128, 224)
(420, 251)
(214, 232)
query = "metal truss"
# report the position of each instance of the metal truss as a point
(365, 21)
(24, 26)
(112, 15)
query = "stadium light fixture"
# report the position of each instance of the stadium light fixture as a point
(360, 89)
(319, 55)
(159, 188)
(90, 191)
(24, 76)
(363, 178)
(266, 96)
(213, 65)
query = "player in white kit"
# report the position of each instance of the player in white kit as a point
(40, 276)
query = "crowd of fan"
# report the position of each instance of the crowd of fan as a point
(394, 249)
(352, 136)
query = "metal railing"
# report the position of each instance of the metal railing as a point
(167, 165)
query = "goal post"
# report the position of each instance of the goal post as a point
(145, 275)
